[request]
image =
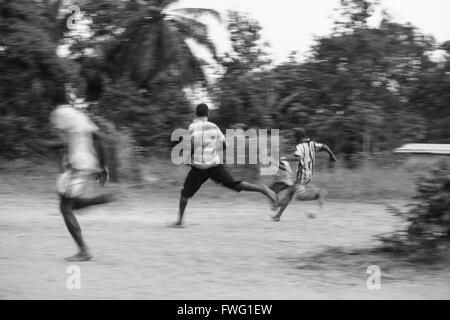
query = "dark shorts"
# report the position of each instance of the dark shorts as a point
(196, 177)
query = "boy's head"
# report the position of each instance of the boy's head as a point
(300, 135)
(202, 110)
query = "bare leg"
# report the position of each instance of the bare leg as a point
(277, 217)
(182, 208)
(284, 202)
(66, 206)
(311, 193)
(265, 190)
(307, 195)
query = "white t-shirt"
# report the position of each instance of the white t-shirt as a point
(206, 137)
(77, 129)
(285, 173)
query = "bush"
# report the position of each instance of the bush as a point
(430, 216)
(428, 219)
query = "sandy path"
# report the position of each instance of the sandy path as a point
(230, 250)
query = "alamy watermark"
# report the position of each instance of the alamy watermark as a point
(73, 19)
(374, 280)
(262, 146)
(73, 282)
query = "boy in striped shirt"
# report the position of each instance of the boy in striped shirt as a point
(287, 185)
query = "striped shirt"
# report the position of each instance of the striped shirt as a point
(306, 152)
(206, 137)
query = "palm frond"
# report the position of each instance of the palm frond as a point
(166, 3)
(181, 57)
(190, 28)
(191, 25)
(153, 49)
(136, 52)
(197, 12)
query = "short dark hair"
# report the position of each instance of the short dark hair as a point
(299, 134)
(202, 110)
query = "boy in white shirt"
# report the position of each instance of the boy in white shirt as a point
(83, 160)
(206, 164)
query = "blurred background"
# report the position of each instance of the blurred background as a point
(362, 89)
(367, 87)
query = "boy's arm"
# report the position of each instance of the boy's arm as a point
(100, 150)
(192, 147)
(43, 148)
(41, 143)
(327, 149)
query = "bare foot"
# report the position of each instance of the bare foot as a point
(275, 218)
(80, 256)
(176, 225)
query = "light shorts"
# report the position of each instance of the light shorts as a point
(306, 192)
(300, 188)
(73, 183)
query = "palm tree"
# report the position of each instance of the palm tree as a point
(148, 39)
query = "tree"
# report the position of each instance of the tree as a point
(357, 89)
(240, 95)
(150, 115)
(146, 40)
(137, 62)
(32, 76)
(431, 98)
(355, 13)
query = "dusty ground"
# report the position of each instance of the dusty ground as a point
(229, 250)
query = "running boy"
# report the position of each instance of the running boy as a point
(206, 164)
(289, 186)
(83, 160)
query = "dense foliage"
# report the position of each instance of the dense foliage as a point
(361, 89)
(32, 76)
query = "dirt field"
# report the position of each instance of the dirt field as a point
(229, 250)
